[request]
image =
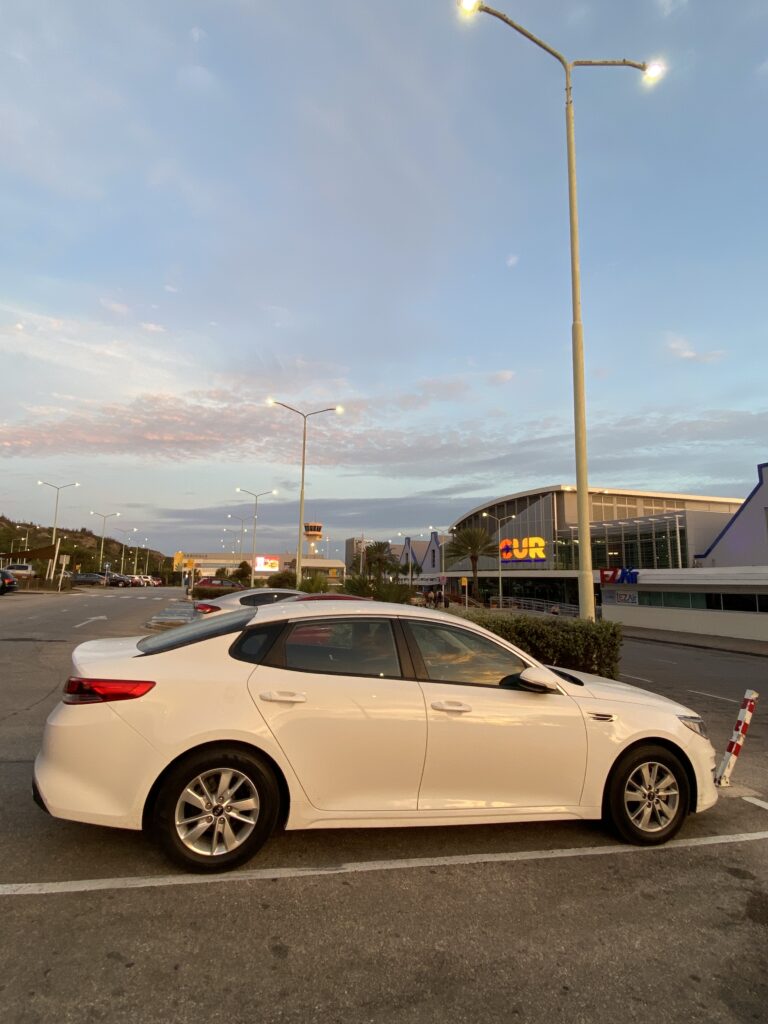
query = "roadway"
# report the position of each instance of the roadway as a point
(544, 922)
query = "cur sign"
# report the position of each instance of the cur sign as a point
(529, 549)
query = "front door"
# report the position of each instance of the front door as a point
(491, 745)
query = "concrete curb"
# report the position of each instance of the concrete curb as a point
(178, 613)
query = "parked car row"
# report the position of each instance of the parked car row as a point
(113, 579)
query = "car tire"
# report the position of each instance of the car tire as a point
(216, 808)
(648, 796)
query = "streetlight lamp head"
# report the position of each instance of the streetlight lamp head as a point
(270, 401)
(339, 409)
(76, 484)
(39, 483)
(237, 489)
(469, 7)
(654, 70)
(274, 492)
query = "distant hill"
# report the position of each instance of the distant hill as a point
(81, 545)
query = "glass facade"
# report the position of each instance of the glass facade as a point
(654, 543)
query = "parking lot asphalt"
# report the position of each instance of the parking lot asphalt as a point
(540, 922)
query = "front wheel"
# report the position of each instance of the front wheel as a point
(216, 808)
(649, 796)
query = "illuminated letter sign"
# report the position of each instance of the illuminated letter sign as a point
(618, 576)
(529, 549)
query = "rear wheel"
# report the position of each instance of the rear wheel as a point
(216, 808)
(649, 796)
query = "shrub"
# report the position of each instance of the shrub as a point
(570, 643)
(205, 593)
(285, 580)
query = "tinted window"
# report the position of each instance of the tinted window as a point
(739, 602)
(358, 647)
(194, 632)
(256, 599)
(458, 656)
(253, 645)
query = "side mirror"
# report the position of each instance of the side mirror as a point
(537, 680)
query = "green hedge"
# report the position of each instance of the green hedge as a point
(570, 643)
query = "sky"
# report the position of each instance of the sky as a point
(209, 202)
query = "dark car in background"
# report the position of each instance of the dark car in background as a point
(87, 579)
(219, 584)
(8, 582)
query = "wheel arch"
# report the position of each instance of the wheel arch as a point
(654, 741)
(249, 748)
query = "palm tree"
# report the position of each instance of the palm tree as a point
(379, 560)
(472, 542)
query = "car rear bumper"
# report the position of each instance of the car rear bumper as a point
(93, 767)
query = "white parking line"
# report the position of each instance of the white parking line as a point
(359, 867)
(701, 693)
(756, 802)
(639, 679)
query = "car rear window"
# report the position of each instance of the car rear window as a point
(195, 632)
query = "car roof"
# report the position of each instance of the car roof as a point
(281, 610)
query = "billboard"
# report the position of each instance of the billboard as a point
(267, 563)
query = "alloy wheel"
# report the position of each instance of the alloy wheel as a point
(216, 812)
(651, 796)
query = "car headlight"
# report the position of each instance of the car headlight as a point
(695, 724)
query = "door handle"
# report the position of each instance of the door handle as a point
(450, 705)
(284, 696)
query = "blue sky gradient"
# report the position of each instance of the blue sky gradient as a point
(210, 201)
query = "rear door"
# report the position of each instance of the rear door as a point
(334, 694)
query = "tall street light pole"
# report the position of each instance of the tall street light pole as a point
(61, 487)
(652, 72)
(487, 515)
(305, 416)
(255, 496)
(104, 517)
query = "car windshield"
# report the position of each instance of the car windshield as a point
(194, 632)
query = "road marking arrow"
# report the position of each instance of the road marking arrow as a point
(94, 618)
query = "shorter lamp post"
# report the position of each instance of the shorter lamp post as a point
(104, 517)
(505, 519)
(61, 487)
(255, 496)
(243, 530)
(126, 534)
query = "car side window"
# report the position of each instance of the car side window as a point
(350, 647)
(453, 655)
(253, 645)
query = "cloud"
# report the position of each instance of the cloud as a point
(114, 307)
(170, 288)
(762, 69)
(196, 34)
(667, 7)
(682, 349)
(196, 79)
(512, 260)
(500, 377)
(153, 328)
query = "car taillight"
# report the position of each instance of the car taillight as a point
(99, 691)
(201, 606)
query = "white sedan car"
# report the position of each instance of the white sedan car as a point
(346, 714)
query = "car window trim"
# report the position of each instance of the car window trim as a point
(422, 675)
